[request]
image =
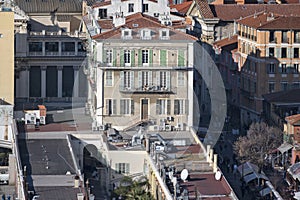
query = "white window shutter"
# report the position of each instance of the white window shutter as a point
(158, 78)
(150, 78)
(168, 80)
(122, 79)
(132, 79)
(140, 79)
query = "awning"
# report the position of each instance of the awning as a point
(247, 168)
(285, 147)
(265, 191)
(253, 176)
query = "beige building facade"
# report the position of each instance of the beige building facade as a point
(7, 56)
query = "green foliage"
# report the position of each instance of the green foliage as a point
(133, 190)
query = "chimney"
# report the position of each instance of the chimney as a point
(207, 153)
(80, 196)
(215, 164)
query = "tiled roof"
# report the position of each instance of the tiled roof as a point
(106, 24)
(289, 96)
(231, 12)
(271, 21)
(293, 119)
(204, 9)
(139, 21)
(182, 8)
(226, 41)
(103, 3)
(47, 6)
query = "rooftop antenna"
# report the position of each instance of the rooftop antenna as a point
(184, 174)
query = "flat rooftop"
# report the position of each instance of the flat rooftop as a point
(57, 193)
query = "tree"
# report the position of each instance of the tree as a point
(133, 190)
(260, 140)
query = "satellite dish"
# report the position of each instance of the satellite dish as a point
(218, 175)
(184, 174)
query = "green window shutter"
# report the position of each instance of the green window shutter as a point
(180, 58)
(114, 57)
(140, 58)
(151, 57)
(163, 58)
(122, 58)
(132, 55)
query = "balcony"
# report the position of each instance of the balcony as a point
(149, 89)
(142, 67)
(44, 33)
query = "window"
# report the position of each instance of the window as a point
(297, 36)
(126, 34)
(180, 107)
(180, 78)
(283, 52)
(271, 87)
(126, 106)
(35, 46)
(164, 34)
(296, 52)
(145, 7)
(145, 56)
(111, 106)
(122, 168)
(271, 52)
(108, 78)
(271, 68)
(127, 78)
(272, 36)
(109, 56)
(296, 85)
(130, 7)
(163, 80)
(284, 38)
(163, 106)
(127, 57)
(102, 13)
(146, 34)
(284, 86)
(283, 69)
(67, 46)
(51, 47)
(145, 78)
(296, 68)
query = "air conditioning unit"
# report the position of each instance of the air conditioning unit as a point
(102, 127)
(170, 118)
(156, 14)
(168, 128)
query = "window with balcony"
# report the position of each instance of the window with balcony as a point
(180, 107)
(145, 57)
(127, 80)
(111, 106)
(296, 52)
(108, 78)
(127, 57)
(271, 68)
(35, 46)
(163, 107)
(126, 106)
(122, 168)
(51, 47)
(145, 7)
(296, 68)
(145, 78)
(297, 36)
(283, 52)
(272, 36)
(102, 13)
(271, 52)
(163, 78)
(284, 37)
(109, 56)
(130, 7)
(271, 87)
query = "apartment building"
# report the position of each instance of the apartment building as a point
(141, 71)
(268, 45)
(49, 52)
(7, 54)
